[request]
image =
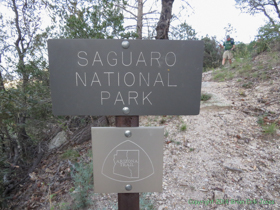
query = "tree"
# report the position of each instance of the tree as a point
(212, 53)
(26, 102)
(164, 20)
(142, 12)
(269, 8)
(100, 19)
(183, 32)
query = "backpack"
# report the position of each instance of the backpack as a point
(232, 40)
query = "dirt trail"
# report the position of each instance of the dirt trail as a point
(223, 154)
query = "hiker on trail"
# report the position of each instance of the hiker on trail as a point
(229, 46)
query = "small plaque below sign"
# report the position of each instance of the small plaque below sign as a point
(127, 163)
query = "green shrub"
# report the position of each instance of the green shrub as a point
(83, 183)
(212, 53)
(270, 129)
(183, 127)
(205, 97)
(70, 154)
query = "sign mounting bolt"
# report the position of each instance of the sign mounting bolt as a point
(128, 133)
(125, 44)
(128, 187)
(126, 110)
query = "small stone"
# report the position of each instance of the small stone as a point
(162, 207)
(240, 141)
(218, 195)
(187, 144)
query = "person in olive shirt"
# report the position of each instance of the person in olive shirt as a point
(229, 46)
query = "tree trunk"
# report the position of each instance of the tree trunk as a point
(140, 19)
(164, 20)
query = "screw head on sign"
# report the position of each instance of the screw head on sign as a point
(128, 187)
(125, 44)
(125, 110)
(128, 133)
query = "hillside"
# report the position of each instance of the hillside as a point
(229, 151)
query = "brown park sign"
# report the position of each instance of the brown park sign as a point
(148, 77)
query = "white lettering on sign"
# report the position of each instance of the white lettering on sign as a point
(147, 81)
(93, 79)
(125, 79)
(143, 59)
(156, 59)
(114, 59)
(132, 97)
(103, 94)
(119, 98)
(109, 78)
(84, 61)
(100, 78)
(97, 59)
(159, 79)
(168, 57)
(85, 79)
(128, 79)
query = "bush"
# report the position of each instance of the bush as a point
(83, 182)
(205, 97)
(212, 53)
(241, 50)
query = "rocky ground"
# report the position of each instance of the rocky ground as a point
(219, 159)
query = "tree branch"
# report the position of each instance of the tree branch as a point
(130, 12)
(276, 8)
(17, 27)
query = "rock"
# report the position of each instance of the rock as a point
(187, 144)
(58, 140)
(240, 141)
(218, 195)
(162, 207)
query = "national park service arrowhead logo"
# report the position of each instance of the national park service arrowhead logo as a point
(127, 162)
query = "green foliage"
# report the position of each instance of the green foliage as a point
(183, 32)
(205, 97)
(269, 32)
(223, 74)
(70, 154)
(83, 182)
(2, 186)
(183, 127)
(212, 53)
(241, 51)
(260, 120)
(90, 20)
(270, 129)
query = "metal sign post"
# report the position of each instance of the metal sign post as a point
(128, 200)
